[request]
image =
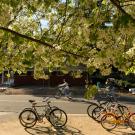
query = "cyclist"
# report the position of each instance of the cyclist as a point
(64, 87)
(111, 85)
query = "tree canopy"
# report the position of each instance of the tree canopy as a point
(63, 33)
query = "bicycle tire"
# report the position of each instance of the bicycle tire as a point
(48, 111)
(108, 121)
(131, 121)
(31, 118)
(56, 118)
(90, 108)
(58, 95)
(70, 95)
(97, 113)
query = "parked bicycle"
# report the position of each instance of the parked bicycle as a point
(110, 120)
(100, 102)
(97, 110)
(29, 116)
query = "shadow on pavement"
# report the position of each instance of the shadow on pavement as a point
(122, 130)
(42, 130)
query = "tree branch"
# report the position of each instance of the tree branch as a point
(122, 10)
(39, 41)
(63, 23)
(15, 16)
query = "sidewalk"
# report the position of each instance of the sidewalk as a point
(77, 125)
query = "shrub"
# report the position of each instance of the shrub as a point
(90, 91)
(123, 83)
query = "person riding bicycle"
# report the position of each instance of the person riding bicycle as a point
(64, 87)
(111, 85)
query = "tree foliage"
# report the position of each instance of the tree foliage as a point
(63, 33)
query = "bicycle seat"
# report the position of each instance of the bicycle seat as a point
(31, 101)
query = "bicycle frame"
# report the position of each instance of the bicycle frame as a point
(109, 108)
(63, 92)
(118, 120)
(34, 109)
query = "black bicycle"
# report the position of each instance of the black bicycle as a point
(29, 116)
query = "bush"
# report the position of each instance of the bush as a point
(90, 91)
(124, 84)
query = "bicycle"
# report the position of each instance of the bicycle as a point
(100, 103)
(110, 120)
(93, 105)
(98, 112)
(110, 105)
(61, 92)
(29, 116)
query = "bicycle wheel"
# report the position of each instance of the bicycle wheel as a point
(58, 95)
(108, 121)
(131, 121)
(90, 108)
(27, 118)
(58, 118)
(97, 113)
(70, 95)
(48, 111)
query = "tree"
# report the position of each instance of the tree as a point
(58, 33)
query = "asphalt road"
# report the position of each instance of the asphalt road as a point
(16, 103)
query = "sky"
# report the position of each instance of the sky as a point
(44, 23)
